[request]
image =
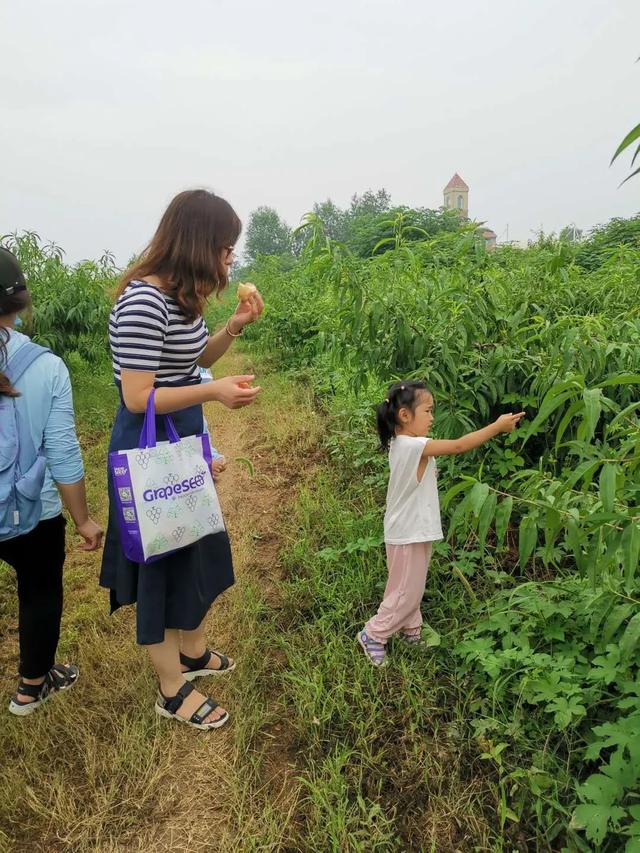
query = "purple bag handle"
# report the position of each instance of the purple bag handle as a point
(148, 433)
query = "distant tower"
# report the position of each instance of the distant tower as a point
(456, 195)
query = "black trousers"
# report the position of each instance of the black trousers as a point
(38, 558)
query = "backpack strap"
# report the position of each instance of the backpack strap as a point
(22, 359)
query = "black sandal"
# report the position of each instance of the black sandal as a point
(167, 706)
(60, 677)
(198, 666)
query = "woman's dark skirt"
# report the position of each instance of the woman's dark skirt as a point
(175, 591)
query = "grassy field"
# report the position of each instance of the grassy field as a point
(518, 729)
(305, 763)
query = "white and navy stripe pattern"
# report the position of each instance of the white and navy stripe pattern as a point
(148, 331)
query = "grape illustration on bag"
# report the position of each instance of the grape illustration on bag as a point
(158, 483)
(142, 459)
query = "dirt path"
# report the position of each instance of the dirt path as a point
(214, 794)
(126, 780)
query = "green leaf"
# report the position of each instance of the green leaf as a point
(595, 818)
(635, 172)
(574, 409)
(600, 789)
(486, 517)
(477, 497)
(592, 410)
(384, 242)
(503, 515)
(629, 139)
(545, 689)
(575, 541)
(622, 769)
(584, 470)
(623, 414)
(454, 491)
(608, 477)
(614, 620)
(621, 379)
(594, 563)
(552, 524)
(565, 710)
(554, 398)
(630, 546)
(527, 540)
(599, 609)
(606, 668)
(630, 637)
(623, 733)
(633, 844)
(430, 636)
(459, 513)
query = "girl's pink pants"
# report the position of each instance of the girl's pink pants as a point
(400, 608)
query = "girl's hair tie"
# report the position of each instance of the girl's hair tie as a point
(387, 401)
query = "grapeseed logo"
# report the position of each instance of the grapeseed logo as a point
(166, 492)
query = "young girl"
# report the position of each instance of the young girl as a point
(159, 340)
(412, 520)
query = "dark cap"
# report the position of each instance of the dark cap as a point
(11, 276)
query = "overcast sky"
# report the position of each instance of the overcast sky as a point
(109, 108)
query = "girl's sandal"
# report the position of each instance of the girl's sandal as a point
(60, 677)
(167, 706)
(197, 667)
(375, 651)
(414, 640)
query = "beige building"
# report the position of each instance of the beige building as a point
(456, 197)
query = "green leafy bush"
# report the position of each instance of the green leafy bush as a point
(544, 526)
(71, 303)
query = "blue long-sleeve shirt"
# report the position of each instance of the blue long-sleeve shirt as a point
(45, 404)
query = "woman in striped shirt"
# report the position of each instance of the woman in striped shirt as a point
(159, 339)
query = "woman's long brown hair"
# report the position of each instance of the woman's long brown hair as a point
(187, 251)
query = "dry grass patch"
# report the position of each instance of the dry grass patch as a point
(95, 770)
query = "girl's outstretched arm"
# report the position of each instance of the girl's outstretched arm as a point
(451, 447)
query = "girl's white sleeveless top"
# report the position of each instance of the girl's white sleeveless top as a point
(413, 507)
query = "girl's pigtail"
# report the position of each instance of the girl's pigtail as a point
(386, 423)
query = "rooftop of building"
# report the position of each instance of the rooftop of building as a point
(456, 183)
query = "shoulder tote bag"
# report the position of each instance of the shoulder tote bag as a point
(165, 495)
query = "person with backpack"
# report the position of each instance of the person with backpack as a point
(40, 463)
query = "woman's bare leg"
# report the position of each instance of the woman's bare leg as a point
(193, 645)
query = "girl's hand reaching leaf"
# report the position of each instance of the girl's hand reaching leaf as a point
(507, 423)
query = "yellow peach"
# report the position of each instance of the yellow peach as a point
(245, 291)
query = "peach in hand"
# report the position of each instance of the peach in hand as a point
(245, 291)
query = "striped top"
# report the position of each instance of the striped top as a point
(148, 331)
